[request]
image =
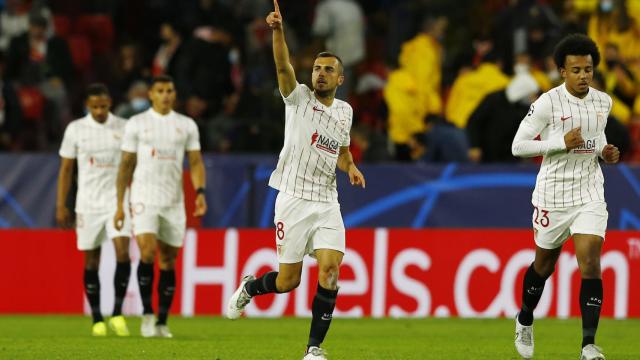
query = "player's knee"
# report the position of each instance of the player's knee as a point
(544, 269)
(547, 271)
(91, 260)
(590, 268)
(122, 256)
(147, 252)
(147, 257)
(288, 283)
(328, 275)
(166, 263)
(92, 263)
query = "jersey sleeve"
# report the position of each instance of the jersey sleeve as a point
(130, 138)
(296, 96)
(193, 137)
(347, 139)
(531, 126)
(602, 138)
(69, 146)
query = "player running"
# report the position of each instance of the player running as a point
(568, 198)
(307, 212)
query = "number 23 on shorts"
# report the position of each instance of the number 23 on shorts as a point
(541, 216)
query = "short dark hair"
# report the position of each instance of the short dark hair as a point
(326, 54)
(97, 89)
(160, 79)
(576, 44)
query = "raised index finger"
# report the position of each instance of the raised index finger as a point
(276, 6)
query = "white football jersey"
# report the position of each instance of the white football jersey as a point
(566, 178)
(160, 142)
(313, 135)
(96, 147)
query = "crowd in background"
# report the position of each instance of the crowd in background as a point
(429, 80)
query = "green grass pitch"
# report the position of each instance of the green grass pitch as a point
(68, 337)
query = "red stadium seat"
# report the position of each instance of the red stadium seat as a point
(62, 25)
(99, 29)
(80, 51)
(32, 103)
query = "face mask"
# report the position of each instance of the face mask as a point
(140, 104)
(606, 6)
(234, 56)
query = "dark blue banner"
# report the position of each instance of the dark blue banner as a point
(397, 195)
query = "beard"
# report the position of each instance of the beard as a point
(324, 93)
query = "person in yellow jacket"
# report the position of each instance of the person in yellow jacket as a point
(470, 88)
(413, 91)
(617, 25)
(422, 55)
(408, 104)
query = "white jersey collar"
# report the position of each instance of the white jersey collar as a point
(575, 98)
(95, 122)
(157, 115)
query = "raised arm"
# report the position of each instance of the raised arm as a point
(284, 69)
(63, 215)
(198, 179)
(125, 172)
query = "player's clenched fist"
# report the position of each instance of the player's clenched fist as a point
(573, 138)
(201, 206)
(274, 19)
(610, 154)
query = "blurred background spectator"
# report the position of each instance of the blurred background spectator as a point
(494, 123)
(137, 100)
(429, 80)
(341, 24)
(40, 65)
(10, 113)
